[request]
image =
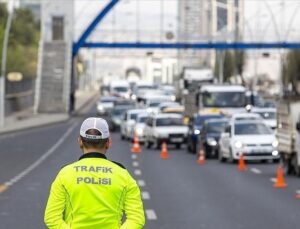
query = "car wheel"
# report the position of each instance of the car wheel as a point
(276, 161)
(220, 156)
(147, 144)
(156, 144)
(178, 145)
(122, 136)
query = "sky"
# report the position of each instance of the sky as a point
(265, 20)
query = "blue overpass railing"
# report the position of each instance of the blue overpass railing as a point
(204, 45)
(82, 41)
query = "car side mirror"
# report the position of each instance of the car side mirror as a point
(298, 126)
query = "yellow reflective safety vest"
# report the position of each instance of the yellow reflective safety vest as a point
(93, 193)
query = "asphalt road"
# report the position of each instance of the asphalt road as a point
(178, 193)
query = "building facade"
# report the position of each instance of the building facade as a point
(208, 21)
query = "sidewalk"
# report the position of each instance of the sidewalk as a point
(26, 119)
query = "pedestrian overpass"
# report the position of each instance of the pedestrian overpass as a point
(56, 81)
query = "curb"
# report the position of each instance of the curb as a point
(58, 121)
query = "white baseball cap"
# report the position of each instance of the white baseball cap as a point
(94, 123)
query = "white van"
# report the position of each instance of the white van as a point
(120, 88)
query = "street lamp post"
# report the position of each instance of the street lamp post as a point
(3, 63)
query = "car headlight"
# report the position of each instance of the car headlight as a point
(173, 98)
(212, 142)
(133, 97)
(196, 132)
(139, 131)
(275, 153)
(238, 144)
(100, 108)
(275, 143)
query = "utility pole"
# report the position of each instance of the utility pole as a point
(3, 63)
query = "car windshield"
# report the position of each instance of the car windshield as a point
(216, 127)
(251, 129)
(224, 99)
(154, 104)
(120, 89)
(169, 122)
(199, 120)
(142, 119)
(133, 116)
(119, 111)
(107, 100)
(267, 115)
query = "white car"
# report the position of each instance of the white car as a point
(268, 114)
(245, 117)
(252, 138)
(105, 105)
(128, 122)
(139, 127)
(167, 128)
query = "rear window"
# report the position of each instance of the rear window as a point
(133, 116)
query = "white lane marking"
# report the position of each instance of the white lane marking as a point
(42, 158)
(133, 156)
(135, 164)
(137, 172)
(150, 214)
(141, 183)
(273, 179)
(145, 196)
(256, 171)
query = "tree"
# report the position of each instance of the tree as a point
(291, 70)
(239, 60)
(228, 65)
(23, 41)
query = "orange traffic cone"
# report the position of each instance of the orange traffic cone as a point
(164, 154)
(242, 165)
(201, 158)
(136, 148)
(280, 183)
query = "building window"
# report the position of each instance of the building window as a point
(57, 28)
(236, 3)
(222, 18)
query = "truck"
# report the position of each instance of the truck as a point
(190, 82)
(288, 134)
(216, 98)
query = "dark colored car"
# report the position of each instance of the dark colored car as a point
(210, 135)
(195, 127)
(115, 118)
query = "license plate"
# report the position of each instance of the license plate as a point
(258, 151)
(176, 139)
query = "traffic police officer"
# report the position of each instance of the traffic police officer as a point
(93, 192)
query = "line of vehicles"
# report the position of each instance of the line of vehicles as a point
(222, 119)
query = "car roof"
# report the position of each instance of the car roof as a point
(245, 115)
(263, 109)
(217, 120)
(223, 88)
(250, 122)
(168, 115)
(136, 111)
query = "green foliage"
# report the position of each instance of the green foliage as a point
(291, 69)
(233, 63)
(23, 41)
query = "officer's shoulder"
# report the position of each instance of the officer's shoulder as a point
(119, 164)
